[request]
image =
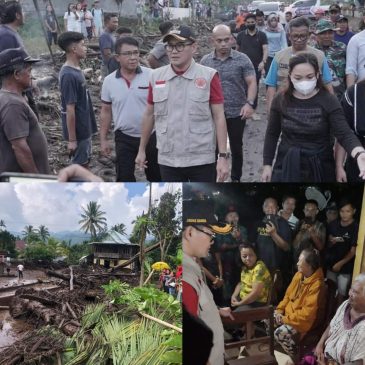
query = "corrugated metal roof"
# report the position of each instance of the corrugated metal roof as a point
(115, 237)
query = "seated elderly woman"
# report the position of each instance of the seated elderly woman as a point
(344, 339)
(297, 312)
(253, 290)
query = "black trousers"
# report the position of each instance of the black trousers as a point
(235, 128)
(126, 148)
(52, 36)
(200, 173)
(258, 77)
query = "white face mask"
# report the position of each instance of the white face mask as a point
(304, 87)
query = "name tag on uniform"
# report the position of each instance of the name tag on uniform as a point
(160, 84)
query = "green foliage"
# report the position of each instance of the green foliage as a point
(7, 242)
(147, 299)
(107, 338)
(120, 228)
(75, 252)
(39, 251)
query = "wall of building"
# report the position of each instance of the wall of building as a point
(60, 6)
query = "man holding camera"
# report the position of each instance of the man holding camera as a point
(311, 232)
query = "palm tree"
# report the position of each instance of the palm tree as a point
(120, 228)
(2, 224)
(93, 219)
(28, 233)
(43, 233)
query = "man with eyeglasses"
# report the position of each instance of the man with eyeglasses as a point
(200, 227)
(277, 76)
(185, 103)
(239, 89)
(124, 98)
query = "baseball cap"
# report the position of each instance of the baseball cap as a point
(335, 7)
(342, 18)
(323, 25)
(15, 56)
(319, 11)
(201, 212)
(183, 33)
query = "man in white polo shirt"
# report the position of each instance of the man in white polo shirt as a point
(124, 99)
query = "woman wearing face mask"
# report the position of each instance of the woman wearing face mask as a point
(276, 38)
(305, 115)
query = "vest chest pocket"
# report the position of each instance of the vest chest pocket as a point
(160, 96)
(201, 129)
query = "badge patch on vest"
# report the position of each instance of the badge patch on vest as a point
(201, 83)
(160, 83)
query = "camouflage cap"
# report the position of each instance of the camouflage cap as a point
(324, 25)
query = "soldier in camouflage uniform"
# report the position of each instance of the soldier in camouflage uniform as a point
(335, 53)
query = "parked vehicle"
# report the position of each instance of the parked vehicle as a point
(308, 7)
(269, 7)
(254, 5)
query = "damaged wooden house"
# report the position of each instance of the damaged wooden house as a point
(114, 250)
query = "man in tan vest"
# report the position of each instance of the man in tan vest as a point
(200, 226)
(185, 105)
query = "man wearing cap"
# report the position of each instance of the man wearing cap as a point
(319, 14)
(335, 12)
(335, 53)
(278, 74)
(200, 227)
(12, 19)
(342, 33)
(185, 104)
(23, 145)
(239, 89)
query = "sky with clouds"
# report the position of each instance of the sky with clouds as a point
(59, 206)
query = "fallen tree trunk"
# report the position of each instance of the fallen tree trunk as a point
(64, 277)
(36, 298)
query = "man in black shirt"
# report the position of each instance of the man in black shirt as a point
(253, 43)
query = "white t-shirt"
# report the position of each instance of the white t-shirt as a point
(72, 25)
(20, 267)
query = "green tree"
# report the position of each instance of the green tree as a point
(7, 242)
(93, 219)
(30, 234)
(120, 228)
(39, 251)
(43, 233)
(165, 222)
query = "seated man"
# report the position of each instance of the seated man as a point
(343, 340)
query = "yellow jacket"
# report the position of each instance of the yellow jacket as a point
(301, 301)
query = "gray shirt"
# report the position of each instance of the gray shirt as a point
(106, 41)
(232, 72)
(355, 56)
(128, 101)
(17, 120)
(159, 52)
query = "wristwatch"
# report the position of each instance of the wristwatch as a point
(250, 103)
(224, 155)
(358, 154)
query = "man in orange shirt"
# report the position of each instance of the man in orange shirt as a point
(240, 20)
